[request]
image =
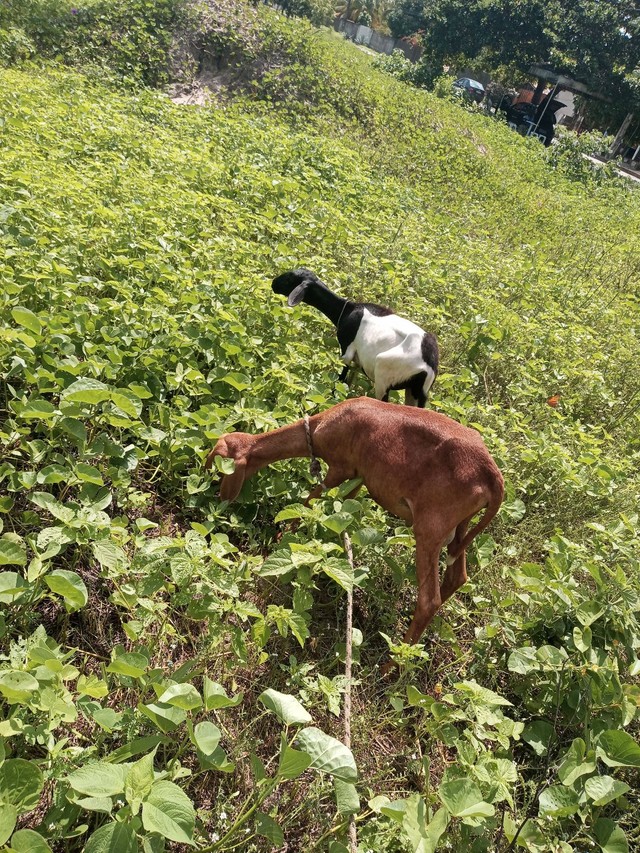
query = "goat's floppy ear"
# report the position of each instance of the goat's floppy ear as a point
(297, 294)
(232, 483)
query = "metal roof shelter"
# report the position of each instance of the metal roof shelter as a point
(545, 72)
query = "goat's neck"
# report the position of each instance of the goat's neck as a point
(331, 305)
(283, 443)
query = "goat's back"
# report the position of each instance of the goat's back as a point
(388, 441)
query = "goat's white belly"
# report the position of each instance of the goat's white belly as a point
(378, 335)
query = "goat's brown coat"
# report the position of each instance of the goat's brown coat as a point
(427, 469)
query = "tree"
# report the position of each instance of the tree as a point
(593, 41)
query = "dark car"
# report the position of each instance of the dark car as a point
(471, 88)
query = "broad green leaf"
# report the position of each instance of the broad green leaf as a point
(286, 708)
(12, 553)
(216, 697)
(166, 717)
(418, 699)
(206, 737)
(20, 784)
(109, 555)
(28, 841)
(112, 838)
(482, 695)
(139, 780)
(182, 696)
(610, 837)
(552, 657)
(70, 586)
(268, 828)
(575, 763)
(277, 564)
(582, 638)
(292, 762)
(54, 474)
(523, 661)
(338, 522)
(91, 685)
(74, 428)
(347, 799)
(127, 402)
(289, 512)
(604, 789)
(169, 811)
(54, 507)
(94, 804)
(340, 571)
(12, 586)
(88, 474)
(106, 718)
(539, 735)
(558, 801)
(99, 779)
(135, 747)
(589, 612)
(237, 380)
(376, 803)
(422, 833)
(38, 410)
(618, 749)
(26, 318)
(17, 686)
(224, 465)
(395, 810)
(328, 754)
(132, 664)
(463, 799)
(86, 391)
(8, 820)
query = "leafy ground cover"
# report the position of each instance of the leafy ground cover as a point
(172, 665)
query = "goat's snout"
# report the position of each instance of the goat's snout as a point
(220, 449)
(231, 446)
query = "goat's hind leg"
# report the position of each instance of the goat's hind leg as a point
(455, 575)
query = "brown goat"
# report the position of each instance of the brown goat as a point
(427, 469)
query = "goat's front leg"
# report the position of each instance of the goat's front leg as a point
(334, 477)
(429, 600)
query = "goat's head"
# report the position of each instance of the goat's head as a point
(294, 284)
(234, 446)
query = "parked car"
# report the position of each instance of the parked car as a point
(471, 88)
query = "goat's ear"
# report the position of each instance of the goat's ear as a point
(232, 483)
(297, 294)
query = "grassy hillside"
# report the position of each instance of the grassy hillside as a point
(148, 625)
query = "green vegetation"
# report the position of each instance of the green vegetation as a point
(596, 43)
(172, 666)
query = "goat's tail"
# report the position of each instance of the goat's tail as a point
(496, 494)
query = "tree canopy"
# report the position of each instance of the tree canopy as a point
(594, 41)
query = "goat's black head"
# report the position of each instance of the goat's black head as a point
(294, 284)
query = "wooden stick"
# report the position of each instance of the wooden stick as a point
(353, 838)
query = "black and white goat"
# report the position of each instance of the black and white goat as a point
(393, 352)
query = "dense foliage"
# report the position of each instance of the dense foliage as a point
(597, 43)
(172, 666)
